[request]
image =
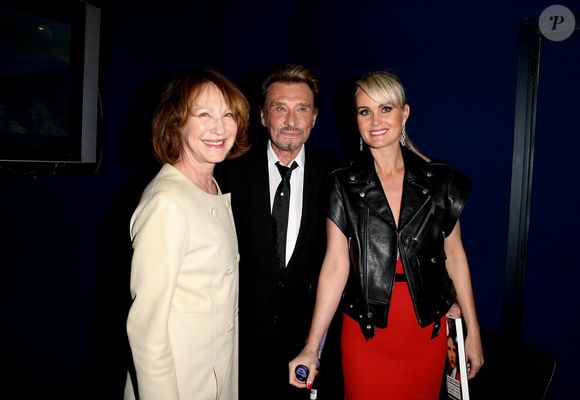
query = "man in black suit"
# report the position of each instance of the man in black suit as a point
(277, 287)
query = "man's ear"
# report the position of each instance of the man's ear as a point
(314, 118)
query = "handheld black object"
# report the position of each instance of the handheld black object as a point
(301, 372)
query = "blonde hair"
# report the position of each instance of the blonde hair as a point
(386, 88)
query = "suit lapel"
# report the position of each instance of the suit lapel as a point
(308, 203)
(260, 206)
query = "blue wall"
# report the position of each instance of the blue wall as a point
(64, 264)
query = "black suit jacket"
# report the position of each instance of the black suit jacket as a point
(275, 304)
(270, 297)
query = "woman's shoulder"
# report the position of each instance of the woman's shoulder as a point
(169, 185)
(342, 174)
(449, 174)
(433, 168)
(168, 179)
(351, 176)
(436, 174)
(451, 184)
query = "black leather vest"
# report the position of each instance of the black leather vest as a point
(433, 197)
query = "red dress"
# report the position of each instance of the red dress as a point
(401, 362)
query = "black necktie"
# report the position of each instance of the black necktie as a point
(280, 211)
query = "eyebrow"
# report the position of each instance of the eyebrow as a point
(380, 105)
(281, 103)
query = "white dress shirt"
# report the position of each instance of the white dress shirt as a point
(296, 194)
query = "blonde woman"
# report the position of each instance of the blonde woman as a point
(395, 251)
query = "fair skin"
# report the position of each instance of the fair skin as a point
(207, 136)
(289, 115)
(380, 126)
(458, 270)
(451, 353)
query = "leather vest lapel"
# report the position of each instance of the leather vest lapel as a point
(417, 187)
(365, 183)
(375, 198)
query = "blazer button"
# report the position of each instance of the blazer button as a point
(351, 306)
(362, 194)
(352, 178)
(368, 327)
(370, 315)
(230, 326)
(230, 271)
(425, 191)
(429, 174)
(433, 260)
(214, 212)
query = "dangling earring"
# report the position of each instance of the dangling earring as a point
(361, 144)
(403, 137)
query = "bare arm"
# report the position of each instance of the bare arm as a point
(458, 270)
(331, 283)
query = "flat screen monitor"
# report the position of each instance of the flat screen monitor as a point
(49, 67)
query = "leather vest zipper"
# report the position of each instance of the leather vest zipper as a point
(424, 223)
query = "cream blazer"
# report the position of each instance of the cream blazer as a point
(183, 322)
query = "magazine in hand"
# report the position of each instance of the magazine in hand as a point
(455, 362)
